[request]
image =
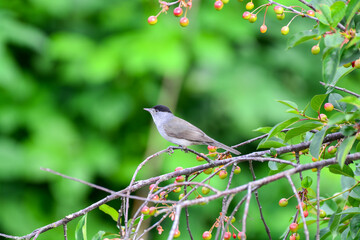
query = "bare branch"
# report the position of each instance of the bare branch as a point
(341, 89)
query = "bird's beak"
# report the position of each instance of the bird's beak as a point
(147, 109)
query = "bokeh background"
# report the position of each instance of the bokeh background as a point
(75, 76)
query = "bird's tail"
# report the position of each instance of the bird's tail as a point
(227, 148)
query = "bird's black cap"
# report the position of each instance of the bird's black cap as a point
(162, 108)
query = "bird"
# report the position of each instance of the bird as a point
(181, 132)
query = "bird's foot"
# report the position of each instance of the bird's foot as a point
(185, 149)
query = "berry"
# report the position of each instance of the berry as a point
(310, 13)
(218, 5)
(200, 159)
(285, 30)
(306, 213)
(206, 235)
(234, 235)
(227, 235)
(212, 149)
(283, 202)
(315, 49)
(322, 214)
(253, 18)
(208, 171)
(314, 169)
(249, 6)
(178, 11)
(328, 107)
(180, 178)
(184, 21)
(323, 117)
(145, 210)
(347, 65)
(205, 190)
(223, 174)
(225, 1)
(179, 168)
(176, 190)
(153, 187)
(314, 159)
(233, 219)
(152, 20)
(163, 195)
(294, 236)
(332, 149)
(181, 196)
(280, 16)
(263, 28)
(302, 205)
(278, 9)
(156, 198)
(241, 235)
(246, 15)
(237, 170)
(152, 211)
(357, 63)
(216, 170)
(294, 227)
(176, 233)
(317, 38)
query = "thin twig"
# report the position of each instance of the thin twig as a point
(65, 231)
(258, 202)
(318, 204)
(175, 224)
(187, 210)
(307, 4)
(341, 89)
(306, 231)
(246, 209)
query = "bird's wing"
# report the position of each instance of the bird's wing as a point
(185, 130)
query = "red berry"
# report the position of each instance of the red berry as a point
(152, 211)
(306, 213)
(181, 196)
(310, 13)
(328, 107)
(176, 233)
(246, 15)
(218, 5)
(145, 210)
(294, 227)
(234, 235)
(176, 190)
(332, 149)
(212, 149)
(153, 187)
(249, 6)
(208, 171)
(285, 30)
(206, 235)
(314, 159)
(184, 21)
(263, 28)
(227, 235)
(156, 198)
(152, 20)
(302, 205)
(283, 202)
(179, 168)
(278, 9)
(180, 178)
(237, 170)
(223, 174)
(200, 159)
(315, 49)
(357, 64)
(253, 18)
(178, 11)
(323, 117)
(241, 235)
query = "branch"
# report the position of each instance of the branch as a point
(341, 89)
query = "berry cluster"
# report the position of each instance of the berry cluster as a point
(178, 11)
(227, 235)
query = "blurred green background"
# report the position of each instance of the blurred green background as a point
(75, 76)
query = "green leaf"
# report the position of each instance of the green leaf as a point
(353, 42)
(289, 104)
(98, 236)
(324, 15)
(334, 222)
(302, 129)
(306, 182)
(334, 99)
(263, 129)
(347, 130)
(273, 165)
(337, 12)
(355, 193)
(80, 231)
(317, 101)
(110, 211)
(270, 143)
(331, 59)
(280, 126)
(352, 100)
(353, 210)
(352, 8)
(336, 118)
(355, 226)
(340, 73)
(316, 143)
(346, 170)
(301, 37)
(344, 149)
(358, 147)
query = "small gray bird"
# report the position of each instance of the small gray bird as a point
(181, 132)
